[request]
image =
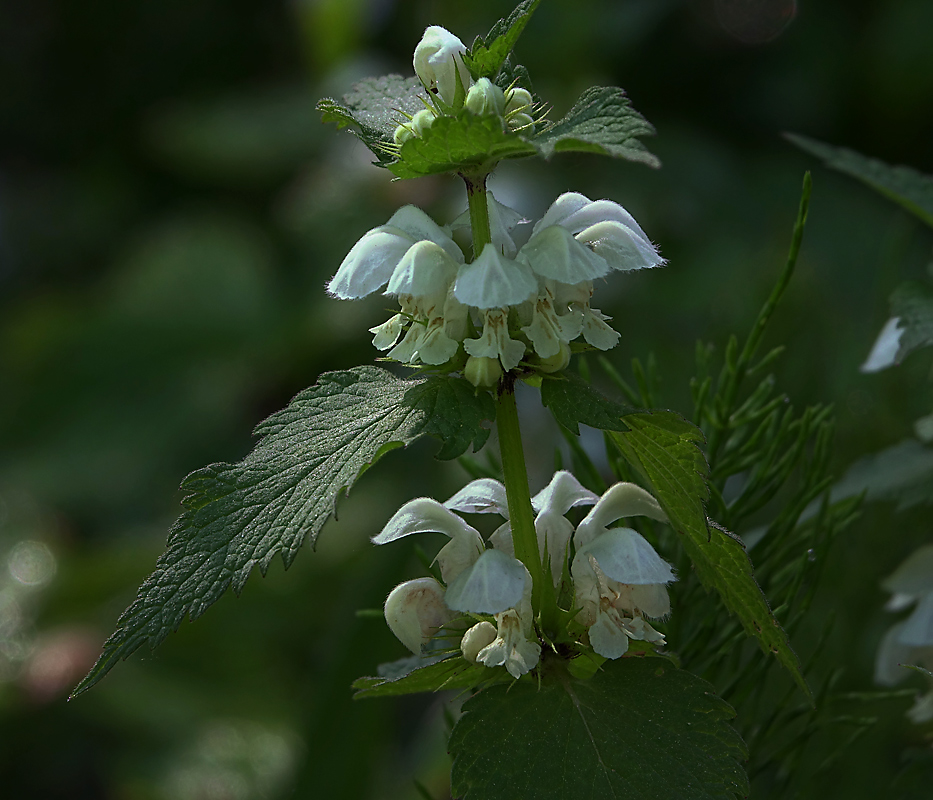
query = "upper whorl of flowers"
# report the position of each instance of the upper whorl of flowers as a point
(511, 305)
(547, 282)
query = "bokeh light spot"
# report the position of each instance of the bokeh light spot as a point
(31, 564)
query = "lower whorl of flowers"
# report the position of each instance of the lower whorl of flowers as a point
(483, 607)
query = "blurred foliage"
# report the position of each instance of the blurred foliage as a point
(170, 208)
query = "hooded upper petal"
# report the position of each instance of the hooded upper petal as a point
(620, 246)
(618, 501)
(494, 583)
(425, 515)
(370, 263)
(554, 254)
(413, 221)
(562, 493)
(425, 269)
(494, 281)
(482, 496)
(624, 555)
(575, 212)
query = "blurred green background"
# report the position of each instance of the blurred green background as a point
(170, 208)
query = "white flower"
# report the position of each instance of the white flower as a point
(553, 529)
(415, 611)
(618, 577)
(495, 341)
(479, 581)
(549, 329)
(438, 61)
(548, 283)
(515, 647)
(606, 227)
(372, 261)
(425, 515)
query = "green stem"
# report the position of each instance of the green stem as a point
(479, 211)
(521, 514)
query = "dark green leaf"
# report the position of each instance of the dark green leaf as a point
(911, 189)
(374, 109)
(490, 51)
(240, 516)
(458, 144)
(663, 448)
(640, 728)
(913, 303)
(451, 673)
(602, 121)
(514, 76)
(573, 401)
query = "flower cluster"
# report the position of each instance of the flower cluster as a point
(618, 580)
(513, 303)
(910, 641)
(531, 301)
(439, 65)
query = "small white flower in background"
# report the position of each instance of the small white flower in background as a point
(910, 641)
(438, 61)
(618, 577)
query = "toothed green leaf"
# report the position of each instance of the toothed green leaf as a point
(240, 516)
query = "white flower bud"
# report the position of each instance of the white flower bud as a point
(402, 134)
(482, 372)
(475, 639)
(555, 363)
(415, 611)
(438, 60)
(422, 120)
(485, 97)
(522, 122)
(517, 100)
